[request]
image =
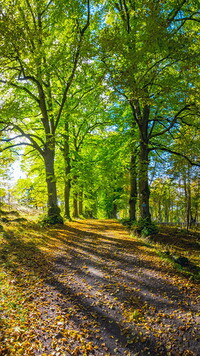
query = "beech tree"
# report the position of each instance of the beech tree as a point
(145, 47)
(41, 44)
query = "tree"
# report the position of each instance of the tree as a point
(41, 44)
(145, 46)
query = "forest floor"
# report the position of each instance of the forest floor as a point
(90, 288)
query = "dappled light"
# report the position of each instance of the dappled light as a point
(90, 288)
(99, 178)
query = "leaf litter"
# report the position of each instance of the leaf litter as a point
(89, 288)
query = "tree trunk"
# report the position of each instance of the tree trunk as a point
(114, 211)
(75, 205)
(133, 188)
(67, 187)
(75, 197)
(143, 185)
(80, 202)
(188, 199)
(52, 204)
(166, 212)
(67, 194)
(142, 119)
(159, 211)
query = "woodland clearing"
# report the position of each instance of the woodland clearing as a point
(90, 288)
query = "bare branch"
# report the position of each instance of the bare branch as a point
(90, 128)
(154, 65)
(11, 138)
(127, 16)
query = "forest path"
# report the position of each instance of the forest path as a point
(100, 291)
(114, 293)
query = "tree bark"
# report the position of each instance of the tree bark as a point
(52, 204)
(67, 161)
(67, 190)
(188, 199)
(114, 211)
(159, 211)
(80, 202)
(133, 187)
(141, 117)
(143, 185)
(75, 205)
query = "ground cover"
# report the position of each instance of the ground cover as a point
(90, 288)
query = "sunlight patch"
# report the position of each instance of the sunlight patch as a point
(95, 271)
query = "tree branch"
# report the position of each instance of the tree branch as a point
(32, 14)
(191, 18)
(76, 58)
(174, 120)
(175, 11)
(127, 16)
(16, 145)
(46, 8)
(165, 149)
(31, 139)
(14, 85)
(79, 99)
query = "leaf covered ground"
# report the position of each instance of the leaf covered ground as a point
(90, 288)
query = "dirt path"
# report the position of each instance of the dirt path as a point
(108, 294)
(89, 288)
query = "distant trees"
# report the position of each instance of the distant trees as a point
(176, 199)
